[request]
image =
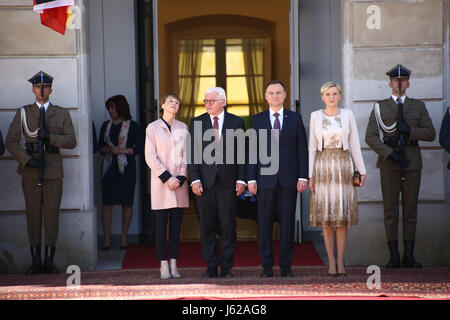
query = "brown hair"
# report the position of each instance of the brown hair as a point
(274, 82)
(165, 97)
(121, 105)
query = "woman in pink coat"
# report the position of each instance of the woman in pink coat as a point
(165, 155)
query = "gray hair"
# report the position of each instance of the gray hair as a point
(219, 91)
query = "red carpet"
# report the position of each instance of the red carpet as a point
(310, 282)
(245, 255)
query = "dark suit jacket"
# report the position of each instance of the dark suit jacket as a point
(444, 133)
(207, 173)
(2, 145)
(293, 151)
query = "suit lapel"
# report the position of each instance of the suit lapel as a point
(226, 125)
(266, 117)
(286, 121)
(206, 122)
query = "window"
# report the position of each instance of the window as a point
(237, 65)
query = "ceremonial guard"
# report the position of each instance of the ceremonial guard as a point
(45, 128)
(395, 127)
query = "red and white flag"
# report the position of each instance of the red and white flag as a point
(53, 13)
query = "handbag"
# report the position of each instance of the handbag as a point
(356, 179)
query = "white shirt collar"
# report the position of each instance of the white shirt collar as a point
(221, 116)
(395, 98)
(45, 105)
(280, 112)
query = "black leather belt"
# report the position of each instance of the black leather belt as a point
(392, 142)
(33, 147)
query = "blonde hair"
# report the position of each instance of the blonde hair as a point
(329, 85)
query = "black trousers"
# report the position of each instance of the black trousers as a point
(174, 216)
(282, 202)
(216, 210)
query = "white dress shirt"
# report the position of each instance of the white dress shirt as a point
(280, 117)
(45, 105)
(220, 121)
(272, 122)
(395, 98)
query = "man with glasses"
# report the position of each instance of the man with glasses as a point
(216, 181)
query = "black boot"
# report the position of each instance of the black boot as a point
(408, 258)
(49, 266)
(394, 262)
(36, 264)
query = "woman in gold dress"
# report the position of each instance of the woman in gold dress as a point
(334, 156)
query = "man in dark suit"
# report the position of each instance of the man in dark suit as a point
(277, 191)
(216, 181)
(395, 127)
(41, 201)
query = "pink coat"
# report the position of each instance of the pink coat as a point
(165, 150)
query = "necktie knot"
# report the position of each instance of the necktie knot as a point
(276, 115)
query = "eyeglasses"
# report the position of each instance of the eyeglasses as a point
(211, 101)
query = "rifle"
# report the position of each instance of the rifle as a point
(401, 137)
(40, 139)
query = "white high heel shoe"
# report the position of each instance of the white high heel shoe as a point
(165, 273)
(173, 268)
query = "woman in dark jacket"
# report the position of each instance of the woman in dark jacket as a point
(2, 145)
(120, 141)
(444, 133)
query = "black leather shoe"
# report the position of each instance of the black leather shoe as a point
(267, 273)
(226, 273)
(36, 264)
(408, 259)
(394, 261)
(211, 273)
(49, 267)
(286, 273)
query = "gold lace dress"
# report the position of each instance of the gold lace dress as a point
(334, 202)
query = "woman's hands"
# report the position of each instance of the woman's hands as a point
(173, 183)
(363, 180)
(115, 150)
(311, 184)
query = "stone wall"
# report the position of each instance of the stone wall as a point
(26, 48)
(378, 35)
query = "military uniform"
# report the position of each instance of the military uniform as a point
(61, 134)
(386, 145)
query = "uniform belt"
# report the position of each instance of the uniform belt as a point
(393, 143)
(33, 147)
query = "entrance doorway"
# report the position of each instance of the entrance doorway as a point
(200, 44)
